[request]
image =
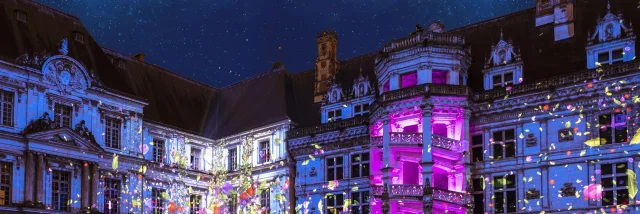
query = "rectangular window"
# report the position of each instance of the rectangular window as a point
(334, 115)
(194, 204)
(158, 201)
(614, 184)
(265, 201)
(439, 77)
(79, 37)
(335, 168)
(158, 150)
(122, 63)
(360, 202)
(60, 190)
(112, 132)
(361, 109)
(233, 203)
(360, 165)
(603, 58)
(62, 116)
(196, 157)
(613, 128)
(335, 203)
(408, 79)
(507, 78)
(616, 56)
(6, 171)
(265, 152)
(504, 144)
(502, 80)
(7, 108)
(504, 190)
(232, 162)
(477, 150)
(478, 196)
(21, 15)
(111, 196)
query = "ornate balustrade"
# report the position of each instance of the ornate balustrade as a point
(376, 141)
(452, 197)
(377, 190)
(327, 127)
(410, 138)
(418, 39)
(572, 78)
(445, 143)
(406, 190)
(424, 89)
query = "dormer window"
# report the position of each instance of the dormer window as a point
(504, 67)
(21, 15)
(360, 109)
(502, 80)
(79, 37)
(121, 64)
(612, 42)
(334, 115)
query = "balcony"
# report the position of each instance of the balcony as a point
(448, 196)
(419, 39)
(424, 89)
(327, 127)
(406, 138)
(376, 141)
(377, 190)
(406, 190)
(445, 143)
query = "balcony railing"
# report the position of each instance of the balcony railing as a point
(377, 190)
(376, 141)
(423, 89)
(451, 196)
(417, 39)
(406, 190)
(327, 127)
(445, 143)
(572, 78)
(406, 138)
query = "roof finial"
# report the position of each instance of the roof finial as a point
(500, 33)
(608, 5)
(279, 48)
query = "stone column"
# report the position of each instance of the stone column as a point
(394, 81)
(40, 170)
(427, 159)
(386, 150)
(466, 135)
(30, 171)
(84, 190)
(544, 144)
(95, 179)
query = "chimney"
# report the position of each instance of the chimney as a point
(139, 56)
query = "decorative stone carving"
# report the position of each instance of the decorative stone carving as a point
(66, 74)
(63, 46)
(44, 123)
(34, 60)
(313, 172)
(568, 190)
(531, 140)
(83, 131)
(533, 193)
(565, 135)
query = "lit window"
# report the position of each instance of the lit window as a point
(335, 203)
(265, 152)
(62, 116)
(265, 201)
(361, 109)
(504, 144)
(360, 202)
(196, 155)
(21, 15)
(335, 170)
(194, 203)
(613, 128)
(158, 150)
(158, 201)
(6, 108)
(334, 115)
(478, 196)
(504, 190)
(614, 184)
(360, 165)
(6, 171)
(112, 132)
(79, 37)
(111, 196)
(477, 150)
(61, 189)
(232, 161)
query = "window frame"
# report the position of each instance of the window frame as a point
(7, 100)
(478, 191)
(337, 115)
(79, 37)
(504, 144)
(158, 201)
(362, 111)
(195, 157)
(194, 203)
(475, 145)
(335, 168)
(110, 129)
(335, 207)
(265, 200)
(612, 126)
(264, 147)
(503, 81)
(22, 16)
(232, 159)
(114, 187)
(158, 151)
(233, 203)
(57, 189)
(505, 193)
(60, 115)
(361, 202)
(7, 187)
(361, 165)
(615, 186)
(610, 59)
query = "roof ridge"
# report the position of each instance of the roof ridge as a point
(51, 8)
(517, 13)
(153, 66)
(252, 78)
(356, 58)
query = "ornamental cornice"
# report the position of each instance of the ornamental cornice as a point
(334, 136)
(352, 142)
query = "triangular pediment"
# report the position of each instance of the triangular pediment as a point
(65, 138)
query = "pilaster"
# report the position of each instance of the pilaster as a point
(30, 171)
(85, 185)
(40, 192)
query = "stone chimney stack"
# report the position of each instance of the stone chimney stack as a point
(139, 56)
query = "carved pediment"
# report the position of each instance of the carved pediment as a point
(66, 74)
(80, 139)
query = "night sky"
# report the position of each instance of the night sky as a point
(220, 42)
